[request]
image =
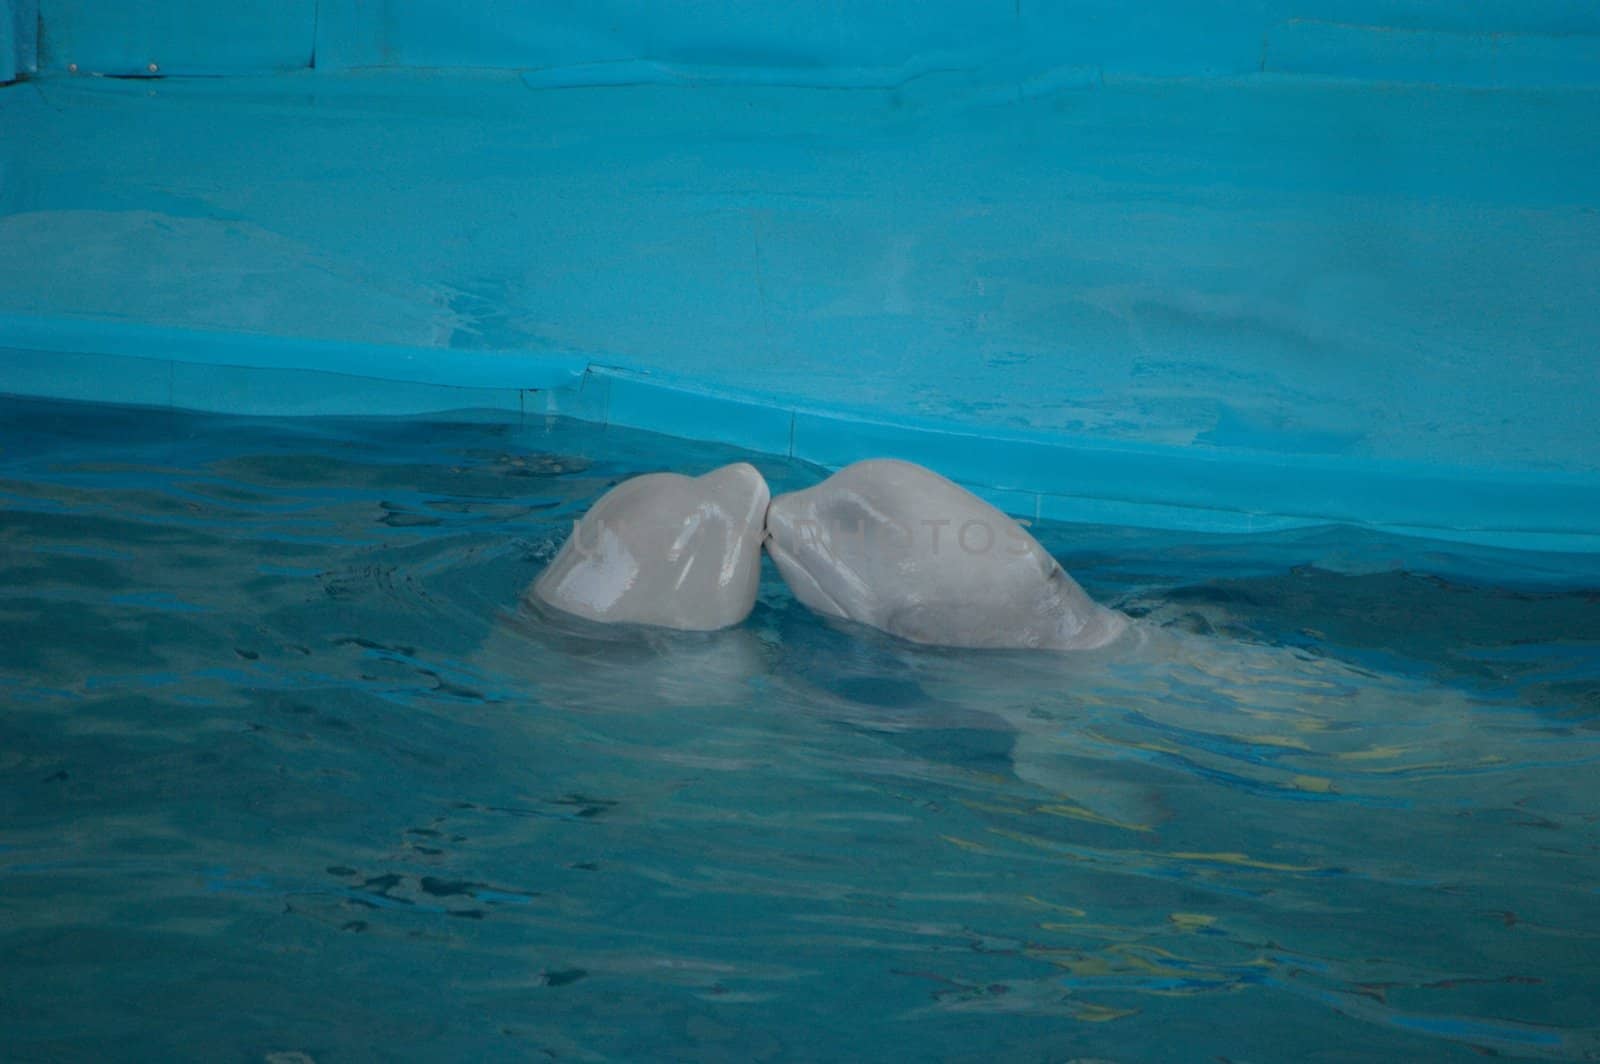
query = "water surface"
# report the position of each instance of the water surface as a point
(286, 768)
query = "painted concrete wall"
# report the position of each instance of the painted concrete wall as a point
(176, 37)
(1224, 301)
(19, 39)
(1493, 42)
(1431, 39)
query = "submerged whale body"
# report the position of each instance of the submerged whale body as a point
(667, 550)
(898, 547)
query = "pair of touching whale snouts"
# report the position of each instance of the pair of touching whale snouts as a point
(882, 542)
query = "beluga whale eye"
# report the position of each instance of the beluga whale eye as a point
(666, 550)
(898, 547)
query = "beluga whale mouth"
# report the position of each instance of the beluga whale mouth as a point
(666, 550)
(893, 545)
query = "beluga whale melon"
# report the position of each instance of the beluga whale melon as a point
(666, 550)
(898, 547)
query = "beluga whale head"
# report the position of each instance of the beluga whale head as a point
(666, 550)
(893, 545)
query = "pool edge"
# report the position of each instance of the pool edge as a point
(1029, 474)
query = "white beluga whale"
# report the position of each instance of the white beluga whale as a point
(893, 545)
(1128, 738)
(666, 550)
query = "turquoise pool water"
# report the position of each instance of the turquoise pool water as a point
(286, 773)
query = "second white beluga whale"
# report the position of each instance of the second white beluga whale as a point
(893, 545)
(665, 550)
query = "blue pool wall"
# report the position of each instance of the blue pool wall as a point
(1477, 122)
(1491, 42)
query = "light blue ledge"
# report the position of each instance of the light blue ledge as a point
(476, 368)
(1032, 475)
